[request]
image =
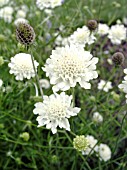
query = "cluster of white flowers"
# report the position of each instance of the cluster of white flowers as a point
(55, 111)
(92, 145)
(123, 86)
(42, 4)
(102, 150)
(21, 66)
(69, 65)
(117, 33)
(81, 37)
(3, 2)
(105, 86)
(97, 117)
(103, 29)
(6, 14)
(20, 20)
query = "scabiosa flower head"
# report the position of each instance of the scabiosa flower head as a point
(92, 145)
(118, 58)
(104, 152)
(123, 86)
(82, 36)
(6, 14)
(21, 66)
(80, 143)
(55, 111)
(92, 25)
(25, 33)
(105, 86)
(103, 29)
(42, 4)
(69, 65)
(97, 117)
(117, 33)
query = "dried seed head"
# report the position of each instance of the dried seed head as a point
(118, 58)
(92, 25)
(25, 33)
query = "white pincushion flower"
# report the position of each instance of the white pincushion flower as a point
(21, 66)
(104, 152)
(55, 111)
(21, 14)
(1, 83)
(44, 83)
(97, 117)
(123, 86)
(6, 14)
(106, 86)
(3, 2)
(42, 4)
(117, 33)
(103, 29)
(82, 36)
(69, 65)
(92, 145)
(20, 20)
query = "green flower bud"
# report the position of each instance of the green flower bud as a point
(80, 143)
(25, 136)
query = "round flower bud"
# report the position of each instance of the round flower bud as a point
(1, 61)
(118, 58)
(25, 136)
(80, 143)
(92, 25)
(2, 38)
(25, 33)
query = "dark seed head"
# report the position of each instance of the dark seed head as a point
(92, 25)
(118, 58)
(25, 33)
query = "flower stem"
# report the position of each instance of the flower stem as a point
(36, 75)
(73, 96)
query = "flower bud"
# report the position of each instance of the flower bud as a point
(2, 38)
(80, 143)
(118, 58)
(25, 33)
(25, 136)
(1, 61)
(92, 25)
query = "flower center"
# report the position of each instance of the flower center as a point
(69, 66)
(56, 110)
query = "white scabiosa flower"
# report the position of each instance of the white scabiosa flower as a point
(6, 14)
(103, 29)
(105, 86)
(82, 36)
(92, 145)
(123, 86)
(21, 66)
(20, 20)
(42, 4)
(1, 83)
(55, 111)
(3, 2)
(69, 65)
(104, 152)
(21, 14)
(97, 117)
(117, 33)
(44, 83)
